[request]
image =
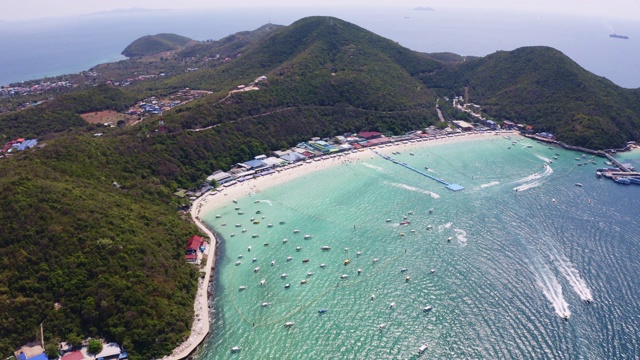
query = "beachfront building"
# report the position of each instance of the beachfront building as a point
(463, 125)
(255, 164)
(191, 250)
(220, 177)
(368, 135)
(293, 156)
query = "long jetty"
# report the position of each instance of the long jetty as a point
(454, 187)
(600, 153)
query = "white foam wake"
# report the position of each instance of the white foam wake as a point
(265, 201)
(461, 235)
(421, 191)
(377, 168)
(493, 183)
(553, 292)
(534, 180)
(445, 226)
(545, 159)
(573, 276)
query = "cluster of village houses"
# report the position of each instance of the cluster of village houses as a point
(19, 144)
(35, 351)
(155, 106)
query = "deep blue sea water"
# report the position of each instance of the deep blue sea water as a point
(517, 262)
(34, 49)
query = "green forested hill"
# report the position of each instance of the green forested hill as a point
(154, 44)
(543, 87)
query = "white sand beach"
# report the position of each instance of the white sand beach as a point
(226, 195)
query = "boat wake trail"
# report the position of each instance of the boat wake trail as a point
(265, 201)
(377, 168)
(553, 292)
(445, 226)
(545, 159)
(461, 235)
(534, 180)
(421, 191)
(493, 183)
(573, 276)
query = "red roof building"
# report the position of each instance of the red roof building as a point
(194, 243)
(370, 135)
(191, 258)
(75, 355)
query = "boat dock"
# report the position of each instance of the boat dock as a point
(454, 187)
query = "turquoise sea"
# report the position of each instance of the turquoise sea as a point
(517, 261)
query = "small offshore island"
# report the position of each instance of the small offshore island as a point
(105, 181)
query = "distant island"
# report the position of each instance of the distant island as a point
(616, 36)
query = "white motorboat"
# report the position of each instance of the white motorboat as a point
(249, 248)
(304, 282)
(427, 309)
(256, 269)
(404, 270)
(254, 259)
(273, 262)
(422, 349)
(265, 304)
(296, 231)
(289, 324)
(325, 248)
(289, 258)
(375, 260)
(242, 288)
(240, 256)
(308, 236)
(433, 271)
(382, 326)
(359, 253)
(286, 286)
(344, 276)
(323, 265)
(262, 282)
(238, 262)
(298, 248)
(284, 275)
(310, 273)
(284, 241)
(392, 305)
(235, 349)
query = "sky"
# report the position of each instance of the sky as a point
(14, 10)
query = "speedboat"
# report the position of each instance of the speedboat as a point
(235, 201)
(296, 231)
(287, 286)
(565, 317)
(273, 262)
(323, 265)
(388, 220)
(359, 271)
(373, 297)
(235, 349)
(382, 326)
(284, 241)
(310, 273)
(258, 212)
(254, 235)
(422, 349)
(249, 248)
(256, 269)
(325, 248)
(254, 259)
(344, 276)
(304, 282)
(284, 275)
(305, 260)
(238, 225)
(308, 236)
(449, 239)
(433, 271)
(242, 288)
(322, 311)
(270, 225)
(578, 184)
(404, 270)
(407, 278)
(375, 260)
(240, 256)
(402, 234)
(347, 261)
(282, 223)
(427, 309)
(218, 216)
(244, 230)
(289, 258)
(392, 305)
(298, 248)
(288, 324)
(262, 282)
(264, 304)
(238, 262)
(346, 249)
(359, 253)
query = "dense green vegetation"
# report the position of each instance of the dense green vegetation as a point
(155, 44)
(542, 87)
(112, 258)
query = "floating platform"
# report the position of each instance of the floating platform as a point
(453, 187)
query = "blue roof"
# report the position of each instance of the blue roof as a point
(255, 164)
(42, 356)
(293, 156)
(22, 356)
